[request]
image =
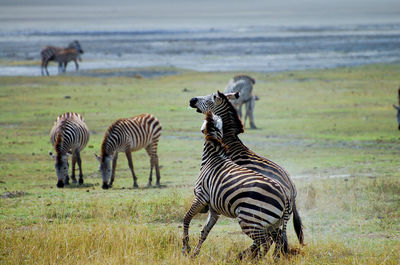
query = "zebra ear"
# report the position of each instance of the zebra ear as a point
(52, 155)
(232, 95)
(98, 158)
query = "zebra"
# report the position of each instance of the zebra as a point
(397, 108)
(61, 55)
(128, 135)
(69, 135)
(260, 204)
(244, 85)
(219, 104)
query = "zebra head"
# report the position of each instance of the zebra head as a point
(105, 169)
(76, 45)
(203, 104)
(61, 169)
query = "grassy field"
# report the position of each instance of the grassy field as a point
(334, 130)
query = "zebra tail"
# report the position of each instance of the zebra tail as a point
(298, 225)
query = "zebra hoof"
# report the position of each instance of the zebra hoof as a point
(74, 180)
(80, 181)
(135, 186)
(60, 184)
(105, 186)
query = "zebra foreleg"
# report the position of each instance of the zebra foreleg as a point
(79, 160)
(46, 63)
(114, 166)
(195, 208)
(42, 66)
(74, 158)
(76, 65)
(211, 221)
(157, 170)
(129, 157)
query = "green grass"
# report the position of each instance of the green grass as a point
(334, 130)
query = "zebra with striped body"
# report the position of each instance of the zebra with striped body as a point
(261, 205)
(62, 56)
(219, 104)
(69, 135)
(129, 135)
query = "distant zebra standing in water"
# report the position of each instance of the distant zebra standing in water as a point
(260, 204)
(397, 108)
(61, 55)
(244, 85)
(219, 104)
(69, 135)
(129, 135)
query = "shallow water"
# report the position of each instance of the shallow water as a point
(204, 42)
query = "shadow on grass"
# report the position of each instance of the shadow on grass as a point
(80, 186)
(162, 186)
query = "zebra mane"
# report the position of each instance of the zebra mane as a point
(209, 131)
(59, 137)
(240, 76)
(109, 132)
(237, 124)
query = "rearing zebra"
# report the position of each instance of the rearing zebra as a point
(68, 135)
(260, 204)
(128, 135)
(61, 55)
(220, 105)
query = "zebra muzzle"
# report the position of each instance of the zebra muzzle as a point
(60, 184)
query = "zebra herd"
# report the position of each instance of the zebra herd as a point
(233, 181)
(70, 135)
(61, 55)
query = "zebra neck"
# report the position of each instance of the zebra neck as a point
(212, 154)
(232, 125)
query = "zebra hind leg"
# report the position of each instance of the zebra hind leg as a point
(251, 252)
(152, 152)
(257, 235)
(211, 221)
(281, 242)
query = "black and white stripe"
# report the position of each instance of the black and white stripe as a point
(61, 55)
(128, 135)
(219, 104)
(69, 135)
(261, 205)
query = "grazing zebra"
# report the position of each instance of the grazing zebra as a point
(260, 204)
(128, 135)
(244, 85)
(69, 135)
(239, 153)
(398, 108)
(61, 55)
